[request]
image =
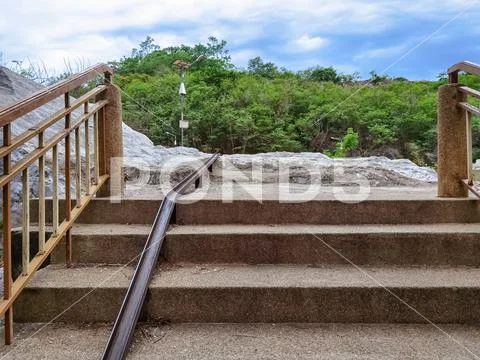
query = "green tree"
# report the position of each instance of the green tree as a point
(268, 109)
(348, 143)
(264, 69)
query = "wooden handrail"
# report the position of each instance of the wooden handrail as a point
(469, 91)
(105, 113)
(45, 124)
(44, 96)
(464, 66)
(61, 135)
(469, 108)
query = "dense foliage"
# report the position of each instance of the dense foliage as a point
(266, 108)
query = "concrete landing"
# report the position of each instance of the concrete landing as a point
(251, 342)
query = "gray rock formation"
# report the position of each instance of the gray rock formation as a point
(157, 165)
(307, 168)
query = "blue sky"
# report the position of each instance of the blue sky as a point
(416, 39)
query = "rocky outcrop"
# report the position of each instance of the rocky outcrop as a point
(152, 163)
(308, 168)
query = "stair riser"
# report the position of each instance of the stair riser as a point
(330, 212)
(362, 249)
(343, 305)
(103, 211)
(102, 249)
(250, 305)
(272, 212)
(68, 305)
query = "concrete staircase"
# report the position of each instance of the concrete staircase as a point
(380, 261)
(244, 262)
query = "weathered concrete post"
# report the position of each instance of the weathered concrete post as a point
(452, 142)
(111, 142)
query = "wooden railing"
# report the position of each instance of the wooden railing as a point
(455, 160)
(100, 105)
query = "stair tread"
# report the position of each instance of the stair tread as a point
(113, 229)
(311, 192)
(261, 276)
(324, 229)
(253, 341)
(214, 229)
(101, 229)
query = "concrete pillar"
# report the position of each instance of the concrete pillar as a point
(111, 142)
(452, 142)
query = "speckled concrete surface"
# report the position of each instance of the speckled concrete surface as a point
(269, 276)
(214, 191)
(251, 342)
(298, 192)
(264, 293)
(304, 229)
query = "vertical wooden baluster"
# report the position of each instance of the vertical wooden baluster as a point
(469, 147)
(7, 238)
(95, 147)
(41, 198)
(102, 160)
(55, 190)
(68, 204)
(78, 168)
(26, 221)
(87, 154)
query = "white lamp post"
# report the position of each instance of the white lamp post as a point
(182, 91)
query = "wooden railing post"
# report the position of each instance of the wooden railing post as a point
(68, 203)
(110, 140)
(7, 237)
(452, 142)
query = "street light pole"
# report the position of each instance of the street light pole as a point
(183, 66)
(182, 93)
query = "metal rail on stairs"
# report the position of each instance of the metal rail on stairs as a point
(129, 313)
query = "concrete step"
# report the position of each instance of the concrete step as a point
(397, 210)
(330, 212)
(105, 211)
(251, 294)
(430, 244)
(119, 244)
(251, 341)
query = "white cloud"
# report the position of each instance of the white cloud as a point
(105, 30)
(306, 43)
(88, 49)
